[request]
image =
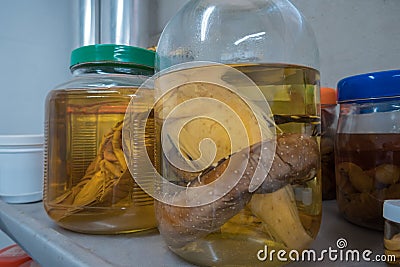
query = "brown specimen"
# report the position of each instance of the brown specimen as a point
(296, 158)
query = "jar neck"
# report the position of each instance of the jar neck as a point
(110, 68)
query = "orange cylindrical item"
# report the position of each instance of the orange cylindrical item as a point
(329, 116)
(328, 96)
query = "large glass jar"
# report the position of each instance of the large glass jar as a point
(87, 186)
(367, 146)
(258, 43)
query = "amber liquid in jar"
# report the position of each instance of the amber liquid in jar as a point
(291, 92)
(88, 187)
(367, 173)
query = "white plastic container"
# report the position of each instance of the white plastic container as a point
(21, 168)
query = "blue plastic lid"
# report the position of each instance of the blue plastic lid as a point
(374, 85)
(391, 210)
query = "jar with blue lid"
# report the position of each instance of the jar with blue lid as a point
(367, 146)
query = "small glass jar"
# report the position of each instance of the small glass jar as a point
(87, 186)
(367, 146)
(391, 239)
(329, 118)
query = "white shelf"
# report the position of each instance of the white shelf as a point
(50, 245)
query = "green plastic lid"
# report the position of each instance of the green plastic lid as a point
(113, 53)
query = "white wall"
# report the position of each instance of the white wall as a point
(354, 36)
(35, 44)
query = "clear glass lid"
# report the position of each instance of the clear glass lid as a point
(237, 31)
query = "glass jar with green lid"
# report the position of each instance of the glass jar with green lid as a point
(87, 186)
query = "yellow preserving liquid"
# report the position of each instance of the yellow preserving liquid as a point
(291, 214)
(88, 187)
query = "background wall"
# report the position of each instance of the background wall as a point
(37, 37)
(354, 36)
(35, 42)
